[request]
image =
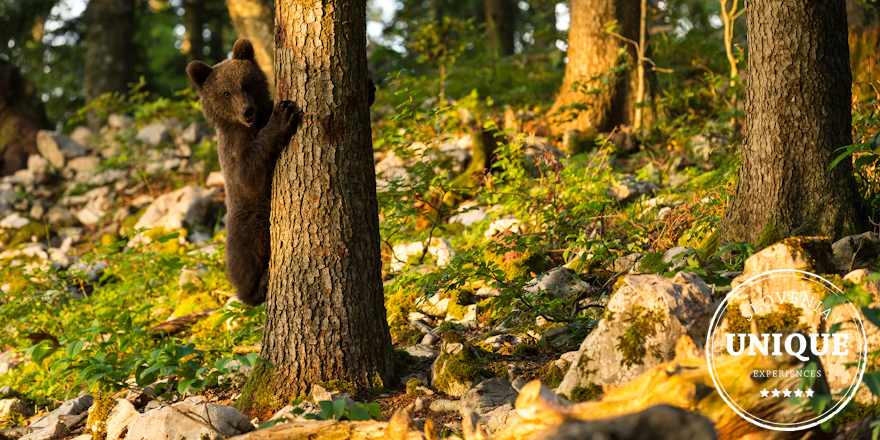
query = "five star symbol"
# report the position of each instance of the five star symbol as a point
(787, 393)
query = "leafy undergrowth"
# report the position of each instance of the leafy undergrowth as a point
(100, 326)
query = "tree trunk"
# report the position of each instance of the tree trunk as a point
(252, 19)
(798, 113)
(594, 95)
(194, 18)
(500, 25)
(21, 116)
(325, 315)
(109, 47)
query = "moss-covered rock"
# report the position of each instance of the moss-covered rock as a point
(457, 369)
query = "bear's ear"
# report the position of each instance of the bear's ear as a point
(243, 50)
(198, 73)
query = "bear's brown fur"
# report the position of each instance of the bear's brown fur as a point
(235, 99)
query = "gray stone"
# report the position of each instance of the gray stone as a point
(444, 406)
(48, 145)
(628, 263)
(215, 180)
(119, 122)
(855, 251)
(187, 206)
(469, 214)
(82, 135)
(14, 221)
(119, 418)
(37, 165)
(191, 419)
(492, 401)
(656, 422)
(663, 309)
(629, 188)
(84, 165)
(13, 407)
(8, 361)
(191, 134)
(559, 282)
(57, 423)
(153, 134)
(421, 352)
(677, 257)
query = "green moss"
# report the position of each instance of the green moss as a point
(414, 387)
(784, 320)
(28, 232)
(643, 324)
(259, 397)
(96, 424)
(455, 371)
(551, 375)
(583, 394)
(398, 304)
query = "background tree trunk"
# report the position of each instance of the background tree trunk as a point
(501, 25)
(109, 47)
(194, 19)
(325, 313)
(252, 19)
(798, 113)
(592, 54)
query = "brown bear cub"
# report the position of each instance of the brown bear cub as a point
(235, 99)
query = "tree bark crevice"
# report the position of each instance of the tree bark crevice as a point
(325, 313)
(798, 114)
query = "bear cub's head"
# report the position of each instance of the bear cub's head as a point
(234, 91)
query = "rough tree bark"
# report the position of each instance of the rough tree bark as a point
(593, 54)
(501, 25)
(253, 20)
(194, 18)
(798, 113)
(325, 315)
(109, 47)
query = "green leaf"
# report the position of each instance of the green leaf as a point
(872, 381)
(338, 408)
(872, 314)
(41, 351)
(168, 237)
(326, 409)
(847, 152)
(359, 412)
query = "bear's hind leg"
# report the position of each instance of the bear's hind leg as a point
(247, 260)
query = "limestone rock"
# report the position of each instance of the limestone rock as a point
(559, 282)
(456, 370)
(153, 134)
(645, 317)
(86, 165)
(190, 419)
(175, 210)
(13, 407)
(492, 401)
(812, 254)
(439, 248)
(58, 422)
(14, 221)
(629, 188)
(119, 418)
(656, 422)
(855, 251)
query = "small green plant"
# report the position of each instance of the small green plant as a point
(344, 409)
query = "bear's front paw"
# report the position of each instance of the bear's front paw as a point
(288, 117)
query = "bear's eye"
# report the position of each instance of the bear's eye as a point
(227, 94)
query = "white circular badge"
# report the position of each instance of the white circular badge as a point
(789, 318)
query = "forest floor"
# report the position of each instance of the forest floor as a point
(111, 244)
